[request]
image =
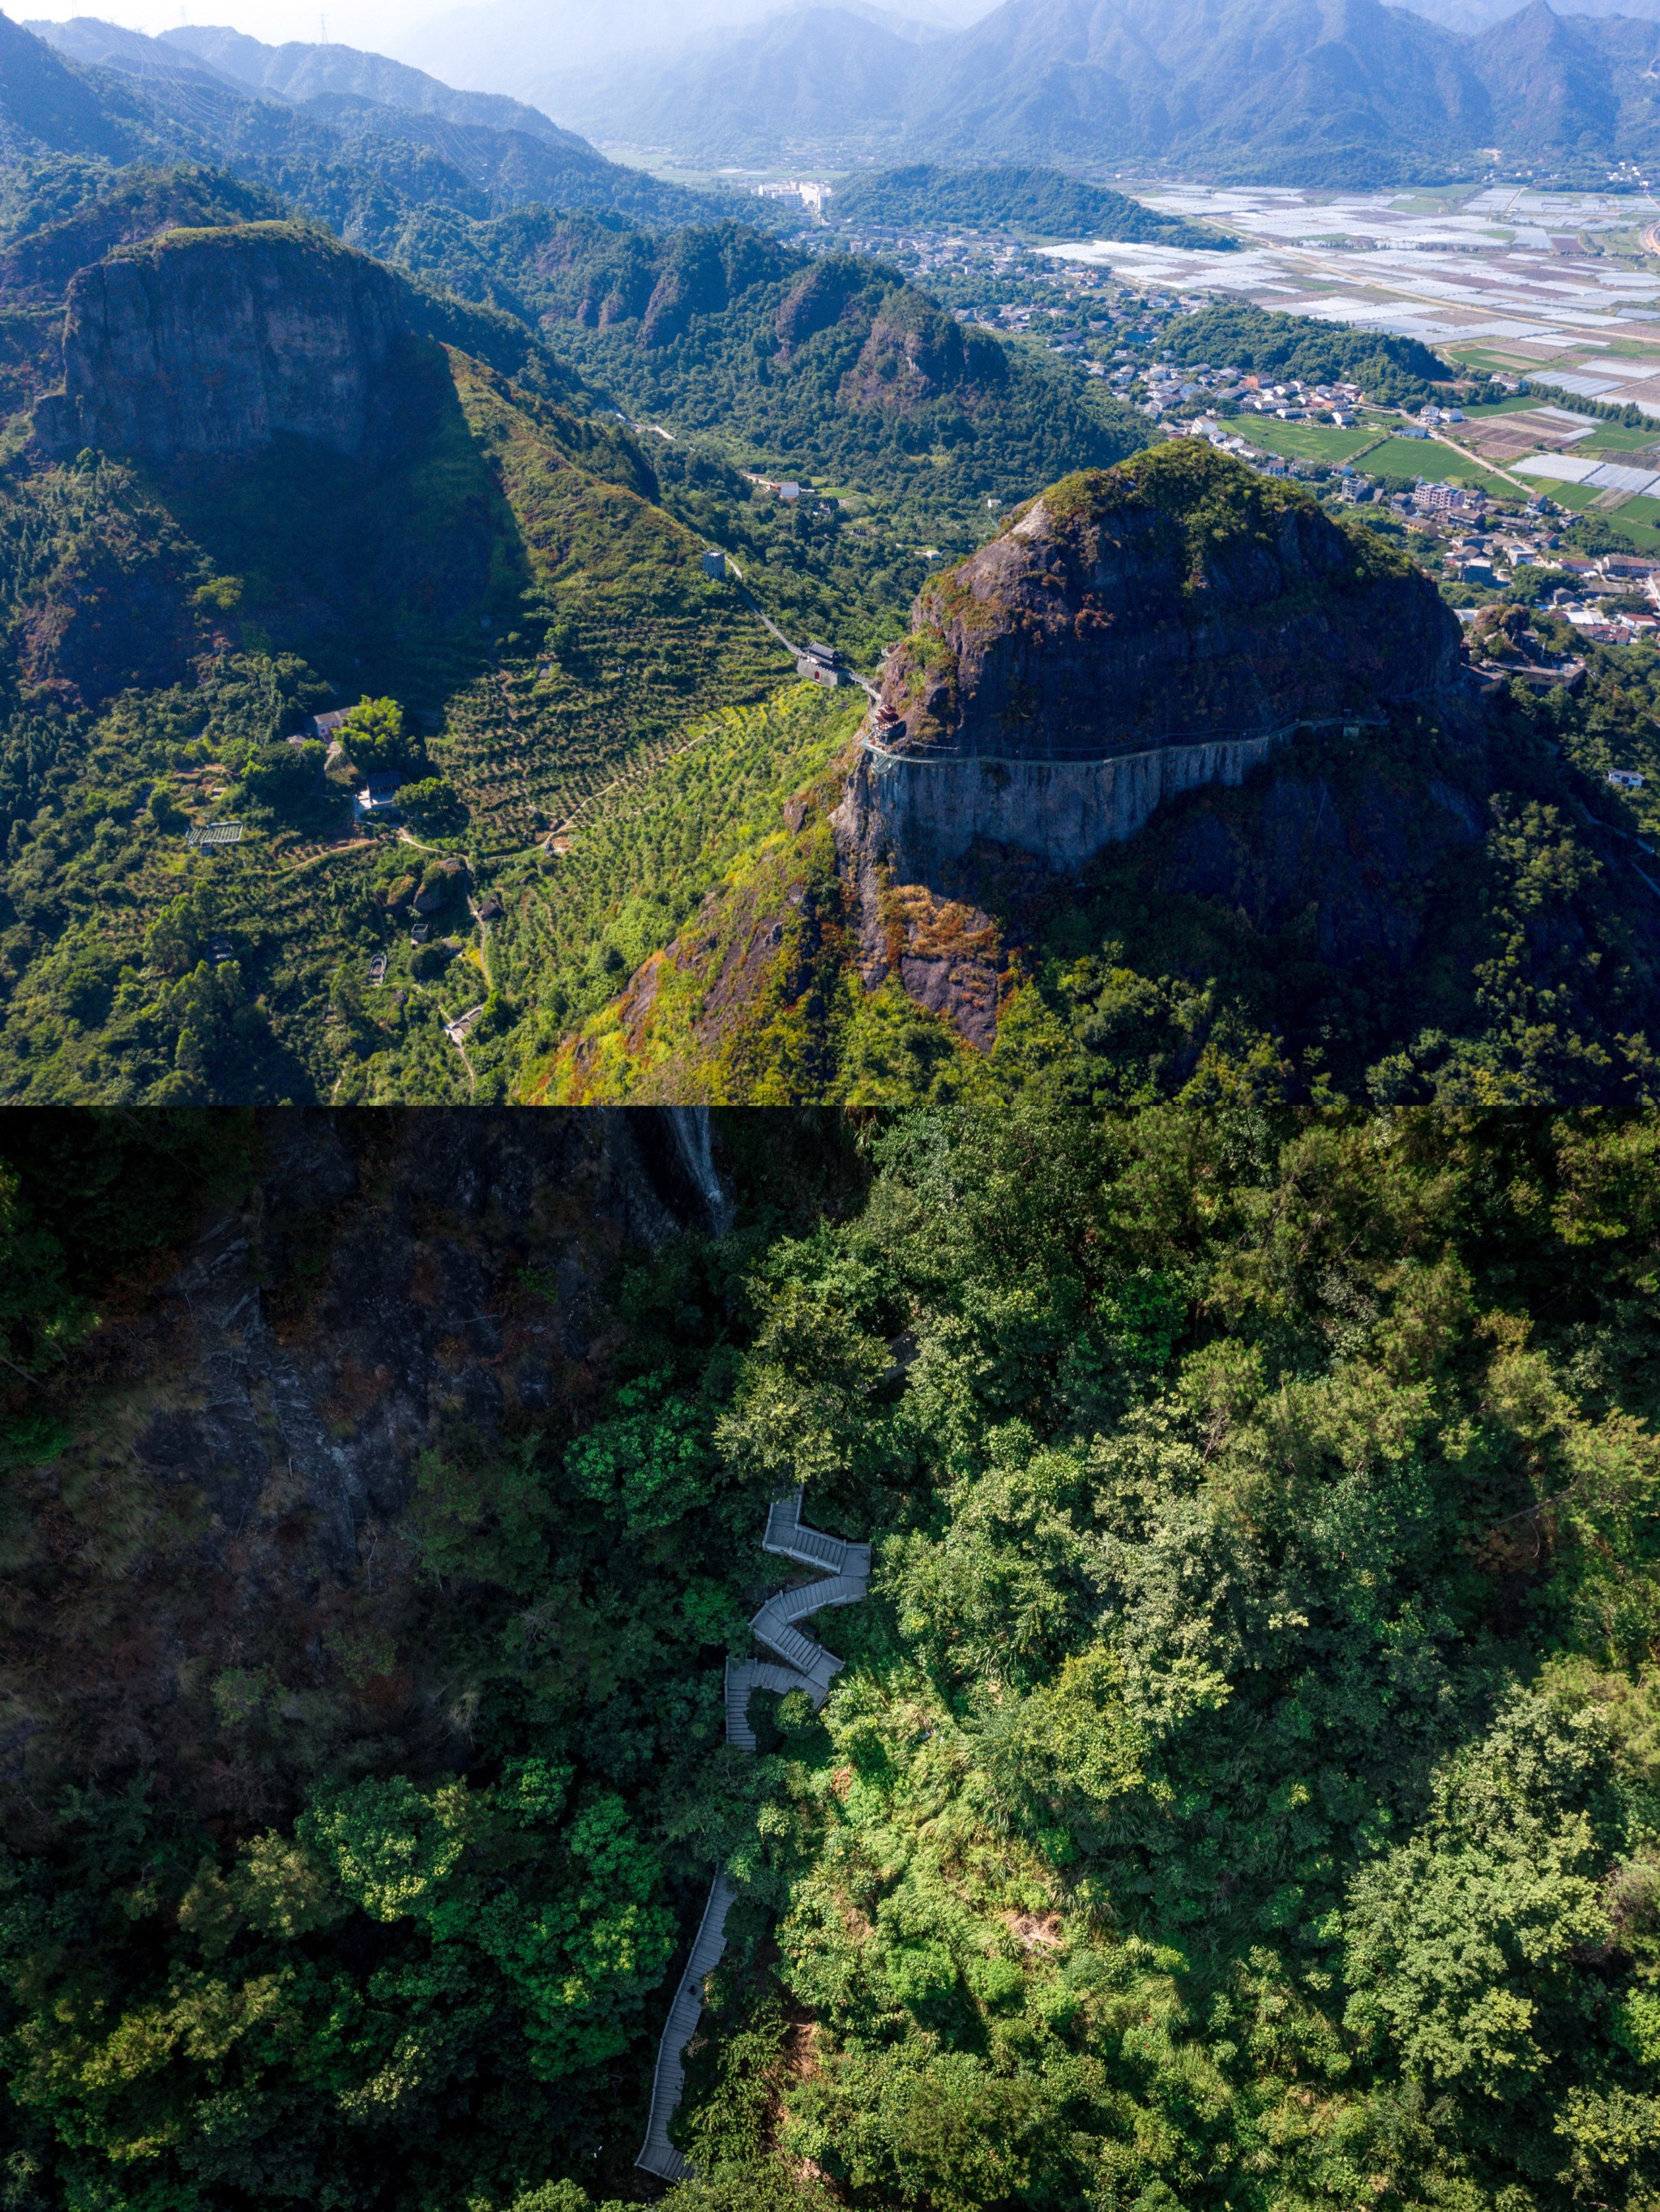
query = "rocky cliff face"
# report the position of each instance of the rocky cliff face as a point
(218, 341)
(1178, 599)
(1140, 631)
(387, 1282)
(916, 352)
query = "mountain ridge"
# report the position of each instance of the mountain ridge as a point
(359, 165)
(299, 70)
(1301, 92)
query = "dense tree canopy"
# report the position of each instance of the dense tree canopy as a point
(1241, 1790)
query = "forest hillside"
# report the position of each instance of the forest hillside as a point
(1179, 780)
(255, 476)
(1240, 1790)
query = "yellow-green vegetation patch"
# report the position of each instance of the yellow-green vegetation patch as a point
(576, 922)
(1437, 463)
(619, 640)
(1300, 442)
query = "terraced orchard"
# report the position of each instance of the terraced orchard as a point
(547, 629)
(546, 933)
(619, 638)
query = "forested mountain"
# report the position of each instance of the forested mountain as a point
(359, 164)
(424, 501)
(1240, 1790)
(1304, 87)
(1308, 92)
(253, 473)
(1037, 202)
(212, 536)
(831, 360)
(1174, 778)
(1204, 1398)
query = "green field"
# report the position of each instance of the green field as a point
(1299, 441)
(1640, 520)
(1518, 405)
(1483, 357)
(1437, 463)
(1613, 438)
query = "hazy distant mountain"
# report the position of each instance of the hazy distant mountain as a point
(1470, 16)
(1297, 87)
(302, 72)
(48, 108)
(1316, 92)
(812, 77)
(362, 165)
(508, 45)
(1558, 82)
(90, 40)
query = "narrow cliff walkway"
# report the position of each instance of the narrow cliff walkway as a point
(808, 1667)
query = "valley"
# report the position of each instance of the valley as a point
(416, 723)
(829, 1029)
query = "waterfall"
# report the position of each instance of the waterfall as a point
(690, 1126)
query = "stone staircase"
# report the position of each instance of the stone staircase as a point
(660, 2156)
(789, 1536)
(744, 1677)
(775, 1625)
(844, 1578)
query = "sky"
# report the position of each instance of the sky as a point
(497, 46)
(369, 23)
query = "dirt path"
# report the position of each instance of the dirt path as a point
(1531, 491)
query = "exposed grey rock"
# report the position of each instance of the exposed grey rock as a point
(217, 342)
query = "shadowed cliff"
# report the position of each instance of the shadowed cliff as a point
(1177, 597)
(218, 341)
(1175, 768)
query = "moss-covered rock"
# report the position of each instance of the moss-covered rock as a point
(1179, 598)
(219, 340)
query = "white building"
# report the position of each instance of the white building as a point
(378, 800)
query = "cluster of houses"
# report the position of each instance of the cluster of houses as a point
(1169, 390)
(1479, 546)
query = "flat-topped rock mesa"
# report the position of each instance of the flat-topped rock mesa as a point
(1136, 632)
(217, 342)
